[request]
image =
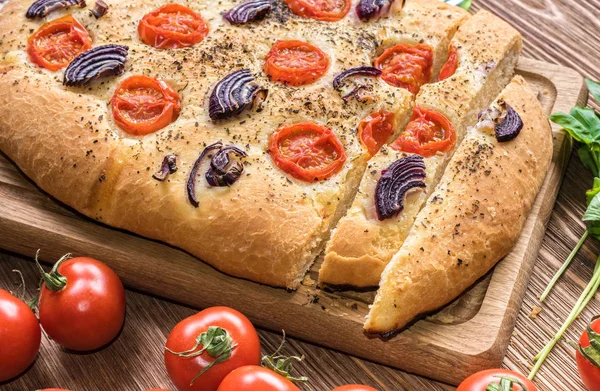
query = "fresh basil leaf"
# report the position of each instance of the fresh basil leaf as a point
(590, 157)
(590, 194)
(588, 118)
(592, 216)
(466, 4)
(574, 127)
(594, 88)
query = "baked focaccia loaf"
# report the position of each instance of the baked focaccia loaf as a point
(255, 221)
(487, 49)
(475, 215)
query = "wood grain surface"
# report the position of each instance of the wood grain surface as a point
(556, 31)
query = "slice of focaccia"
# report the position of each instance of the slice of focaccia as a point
(485, 51)
(476, 214)
(268, 226)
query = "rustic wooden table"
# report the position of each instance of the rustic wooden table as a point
(559, 31)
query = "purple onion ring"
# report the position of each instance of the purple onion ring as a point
(168, 166)
(510, 126)
(369, 9)
(233, 94)
(41, 8)
(248, 11)
(401, 176)
(97, 62)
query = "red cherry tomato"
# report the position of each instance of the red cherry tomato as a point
(590, 373)
(86, 310)
(406, 66)
(172, 26)
(325, 10)
(427, 133)
(481, 380)
(142, 105)
(58, 42)
(354, 387)
(185, 360)
(255, 378)
(451, 65)
(375, 130)
(20, 335)
(307, 151)
(295, 63)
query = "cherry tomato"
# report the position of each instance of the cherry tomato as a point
(325, 10)
(354, 387)
(406, 66)
(451, 64)
(234, 344)
(255, 378)
(172, 26)
(427, 133)
(295, 63)
(20, 335)
(481, 380)
(375, 130)
(82, 304)
(307, 151)
(590, 373)
(142, 105)
(54, 45)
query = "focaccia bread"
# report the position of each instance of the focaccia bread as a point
(474, 217)
(362, 244)
(267, 225)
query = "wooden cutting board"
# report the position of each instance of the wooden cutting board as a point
(468, 335)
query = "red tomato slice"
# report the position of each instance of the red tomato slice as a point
(142, 105)
(58, 42)
(375, 130)
(325, 10)
(307, 151)
(20, 335)
(590, 374)
(427, 133)
(172, 26)
(451, 64)
(295, 63)
(255, 378)
(406, 66)
(354, 387)
(481, 380)
(184, 368)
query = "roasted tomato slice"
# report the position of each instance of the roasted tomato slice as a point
(406, 66)
(172, 26)
(307, 151)
(450, 66)
(326, 10)
(295, 62)
(427, 133)
(143, 105)
(58, 42)
(375, 130)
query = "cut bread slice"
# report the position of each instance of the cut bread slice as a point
(361, 245)
(473, 218)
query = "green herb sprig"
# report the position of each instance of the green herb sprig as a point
(466, 4)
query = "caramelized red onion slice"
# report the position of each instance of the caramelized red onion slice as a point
(369, 9)
(41, 8)
(248, 11)
(510, 126)
(232, 95)
(400, 177)
(341, 80)
(221, 172)
(168, 166)
(100, 9)
(97, 62)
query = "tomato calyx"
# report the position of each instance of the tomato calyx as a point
(54, 280)
(216, 342)
(592, 352)
(283, 365)
(506, 384)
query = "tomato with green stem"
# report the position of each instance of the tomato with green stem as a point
(588, 355)
(496, 380)
(204, 348)
(82, 303)
(255, 378)
(20, 335)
